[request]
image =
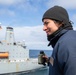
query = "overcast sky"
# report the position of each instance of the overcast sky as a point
(25, 17)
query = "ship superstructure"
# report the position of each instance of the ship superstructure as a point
(14, 56)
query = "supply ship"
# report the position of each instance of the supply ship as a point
(14, 56)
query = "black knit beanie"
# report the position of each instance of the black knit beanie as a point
(57, 13)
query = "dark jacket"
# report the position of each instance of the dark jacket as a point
(63, 60)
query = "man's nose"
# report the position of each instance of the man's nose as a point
(44, 28)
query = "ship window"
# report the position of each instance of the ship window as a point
(14, 43)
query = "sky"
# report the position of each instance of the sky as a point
(25, 16)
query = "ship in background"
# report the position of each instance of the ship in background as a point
(14, 56)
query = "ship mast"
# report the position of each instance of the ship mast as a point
(9, 35)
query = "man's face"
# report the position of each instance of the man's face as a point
(50, 26)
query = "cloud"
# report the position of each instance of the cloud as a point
(22, 4)
(74, 17)
(7, 12)
(70, 4)
(27, 33)
(10, 2)
(13, 7)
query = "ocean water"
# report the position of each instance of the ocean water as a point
(42, 71)
(35, 53)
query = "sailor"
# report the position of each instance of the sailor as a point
(62, 38)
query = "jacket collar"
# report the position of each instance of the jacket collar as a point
(55, 37)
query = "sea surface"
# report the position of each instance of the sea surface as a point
(35, 53)
(42, 71)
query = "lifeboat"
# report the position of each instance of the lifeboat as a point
(4, 54)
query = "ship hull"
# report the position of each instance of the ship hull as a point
(19, 66)
(30, 72)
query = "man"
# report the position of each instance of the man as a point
(62, 38)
